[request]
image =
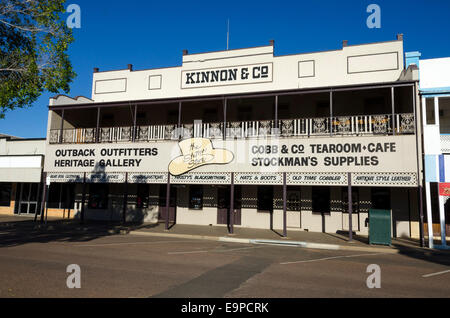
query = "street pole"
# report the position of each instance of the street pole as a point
(350, 208)
(83, 198)
(231, 230)
(284, 205)
(167, 201)
(125, 199)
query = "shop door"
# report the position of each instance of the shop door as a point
(172, 203)
(223, 205)
(28, 198)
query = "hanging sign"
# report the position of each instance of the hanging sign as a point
(147, 177)
(385, 179)
(105, 177)
(444, 189)
(338, 179)
(202, 178)
(66, 177)
(258, 178)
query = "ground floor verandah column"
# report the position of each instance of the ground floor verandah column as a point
(231, 212)
(167, 202)
(125, 199)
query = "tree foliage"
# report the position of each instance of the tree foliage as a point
(34, 40)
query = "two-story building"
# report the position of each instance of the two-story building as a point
(435, 97)
(247, 138)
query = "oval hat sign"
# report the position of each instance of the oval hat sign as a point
(197, 152)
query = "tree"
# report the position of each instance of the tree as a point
(34, 40)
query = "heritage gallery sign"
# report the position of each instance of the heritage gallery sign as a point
(380, 160)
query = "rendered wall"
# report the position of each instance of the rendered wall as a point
(357, 64)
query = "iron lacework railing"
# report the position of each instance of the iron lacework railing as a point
(359, 125)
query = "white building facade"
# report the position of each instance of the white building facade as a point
(244, 138)
(435, 98)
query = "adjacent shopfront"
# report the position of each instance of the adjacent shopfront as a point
(435, 98)
(21, 166)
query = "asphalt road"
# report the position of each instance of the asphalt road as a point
(136, 266)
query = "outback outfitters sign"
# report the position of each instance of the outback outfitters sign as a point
(235, 75)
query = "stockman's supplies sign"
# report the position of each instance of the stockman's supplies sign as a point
(234, 75)
(372, 154)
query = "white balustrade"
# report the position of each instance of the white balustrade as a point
(303, 127)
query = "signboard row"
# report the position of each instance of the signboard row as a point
(381, 154)
(245, 178)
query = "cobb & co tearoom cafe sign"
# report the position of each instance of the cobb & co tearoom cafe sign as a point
(372, 161)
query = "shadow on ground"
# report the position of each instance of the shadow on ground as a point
(14, 233)
(405, 246)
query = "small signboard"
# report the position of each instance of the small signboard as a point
(444, 189)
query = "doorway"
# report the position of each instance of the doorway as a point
(27, 197)
(172, 203)
(223, 205)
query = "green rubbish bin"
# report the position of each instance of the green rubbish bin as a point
(380, 227)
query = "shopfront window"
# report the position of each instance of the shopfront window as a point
(5, 194)
(98, 196)
(321, 199)
(28, 198)
(61, 196)
(429, 105)
(444, 115)
(142, 196)
(355, 200)
(381, 198)
(293, 196)
(196, 197)
(265, 198)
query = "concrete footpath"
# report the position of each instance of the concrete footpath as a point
(57, 228)
(295, 238)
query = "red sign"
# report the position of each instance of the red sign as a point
(444, 189)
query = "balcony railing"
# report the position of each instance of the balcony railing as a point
(304, 127)
(445, 143)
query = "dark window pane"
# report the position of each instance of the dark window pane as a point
(321, 199)
(163, 195)
(444, 115)
(98, 196)
(142, 196)
(68, 196)
(381, 198)
(25, 191)
(32, 208)
(5, 194)
(196, 197)
(429, 105)
(355, 200)
(265, 198)
(23, 208)
(293, 197)
(54, 195)
(34, 191)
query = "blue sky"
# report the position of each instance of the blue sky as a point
(152, 34)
